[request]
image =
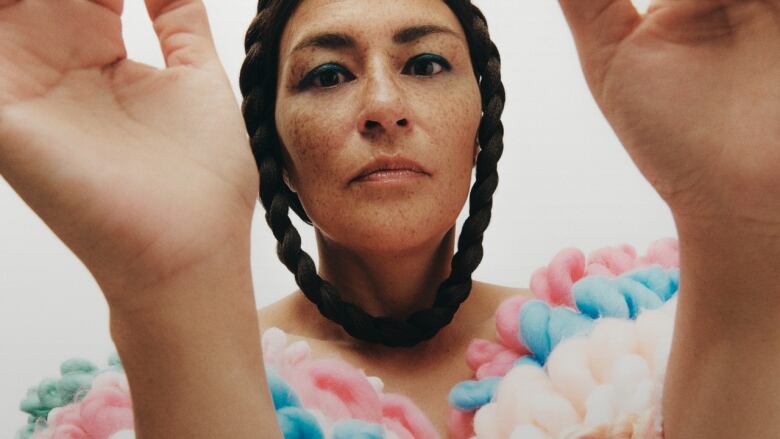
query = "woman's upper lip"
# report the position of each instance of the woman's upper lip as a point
(383, 163)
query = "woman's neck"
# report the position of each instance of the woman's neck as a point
(391, 284)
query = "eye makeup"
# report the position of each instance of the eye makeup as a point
(328, 74)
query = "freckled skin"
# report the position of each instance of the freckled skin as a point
(329, 134)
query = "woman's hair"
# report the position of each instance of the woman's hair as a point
(258, 87)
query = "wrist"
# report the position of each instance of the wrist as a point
(728, 246)
(729, 278)
(195, 356)
(224, 276)
(728, 227)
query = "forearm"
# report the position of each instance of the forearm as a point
(194, 361)
(721, 378)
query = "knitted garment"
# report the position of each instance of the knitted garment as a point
(584, 359)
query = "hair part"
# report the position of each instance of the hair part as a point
(258, 86)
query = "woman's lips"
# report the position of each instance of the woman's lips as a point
(387, 175)
(390, 169)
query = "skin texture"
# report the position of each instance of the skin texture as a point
(386, 246)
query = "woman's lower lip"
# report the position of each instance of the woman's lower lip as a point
(391, 175)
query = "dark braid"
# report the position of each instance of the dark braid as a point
(258, 87)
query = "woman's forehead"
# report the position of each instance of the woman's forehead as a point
(364, 20)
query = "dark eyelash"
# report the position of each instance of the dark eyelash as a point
(430, 57)
(308, 80)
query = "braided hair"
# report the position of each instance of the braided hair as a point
(258, 87)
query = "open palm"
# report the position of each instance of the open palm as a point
(140, 171)
(692, 89)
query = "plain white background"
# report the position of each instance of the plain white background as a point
(565, 181)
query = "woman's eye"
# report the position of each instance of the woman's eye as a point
(326, 76)
(427, 65)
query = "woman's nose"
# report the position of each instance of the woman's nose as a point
(385, 107)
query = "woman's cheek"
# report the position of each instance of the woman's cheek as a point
(314, 141)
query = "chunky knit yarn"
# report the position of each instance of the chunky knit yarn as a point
(583, 359)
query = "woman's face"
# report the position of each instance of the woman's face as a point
(387, 80)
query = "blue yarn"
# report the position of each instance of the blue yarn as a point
(75, 386)
(77, 377)
(26, 431)
(627, 295)
(638, 297)
(662, 282)
(599, 296)
(77, 366)
(357, 429)
(473, 394)
(534, 318)
(48, 394)
(542, 327)
(674, 276)
(565, 323)
(297, 423)
(282, 394)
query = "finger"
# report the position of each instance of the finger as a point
(183, 30)
(597, 24)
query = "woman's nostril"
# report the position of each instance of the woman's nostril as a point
(370, 124)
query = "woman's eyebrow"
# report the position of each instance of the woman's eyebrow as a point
(412, 33)
(406, 35)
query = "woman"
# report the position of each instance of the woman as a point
(148, 263)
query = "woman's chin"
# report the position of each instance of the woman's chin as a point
(391, 239)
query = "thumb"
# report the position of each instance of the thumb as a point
(183, 30)
(598, 26)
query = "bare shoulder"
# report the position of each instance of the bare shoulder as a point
(298, 317)
(500, 292)
(279, 313)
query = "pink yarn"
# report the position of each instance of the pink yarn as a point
(335, 388)
(395, 426)
(664, 252)
(67, 415)
(577, 369)
(481, 351)
(498, 366)
(340, 391)
(104, 410)
(601, 386)
(508, 325)
(553, 283)
(402, 412)
(460, 424)
(62, 432)
(617, 368)
(611, 261)
(489, 359)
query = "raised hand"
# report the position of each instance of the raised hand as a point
(692, 89)
(142, 172)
